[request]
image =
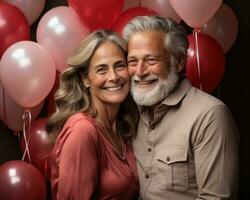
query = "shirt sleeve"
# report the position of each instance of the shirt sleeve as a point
(78, 162)
(216, 155)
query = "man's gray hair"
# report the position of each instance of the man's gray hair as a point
(176, 41)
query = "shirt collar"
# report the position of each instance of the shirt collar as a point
(178, 93)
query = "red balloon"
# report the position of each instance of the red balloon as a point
(211, 59)
(129, 15)
(14, 26)
(39, 146)
(21, 181)
(97, 14)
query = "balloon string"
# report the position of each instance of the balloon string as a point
(26, 116)
(196, 32)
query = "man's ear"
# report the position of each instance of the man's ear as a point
(181, 65)
(86, 83)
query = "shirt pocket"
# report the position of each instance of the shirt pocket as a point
(172, 168)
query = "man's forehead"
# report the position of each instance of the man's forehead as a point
(146, 43)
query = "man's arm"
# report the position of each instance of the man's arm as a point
(216, 155)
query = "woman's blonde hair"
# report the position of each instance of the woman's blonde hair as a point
(72, 96)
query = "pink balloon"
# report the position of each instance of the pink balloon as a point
(223, 27)
(30, 8)
(131, 4)
(21, 181)
(12, 114)
(60, 31)
(27, 72)
(196, 12)
(162, 7)
(40, 146)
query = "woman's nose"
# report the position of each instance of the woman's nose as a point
(113, 75)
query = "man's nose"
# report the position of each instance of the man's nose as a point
(141, 69)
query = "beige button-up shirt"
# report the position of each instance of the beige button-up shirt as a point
(189, 150)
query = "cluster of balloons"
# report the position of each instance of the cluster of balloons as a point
(29, 70)
(215, 30)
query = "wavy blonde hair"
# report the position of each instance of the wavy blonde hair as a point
(73, 97)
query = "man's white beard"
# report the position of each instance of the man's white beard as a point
(152, 96)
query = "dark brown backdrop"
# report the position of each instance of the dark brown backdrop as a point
(233, 90)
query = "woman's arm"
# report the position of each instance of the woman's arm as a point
(78, 163)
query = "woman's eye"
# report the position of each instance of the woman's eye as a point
(121, 66)
(101, 70)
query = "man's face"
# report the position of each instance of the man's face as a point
(149, 68)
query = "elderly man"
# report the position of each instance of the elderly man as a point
(187, 143)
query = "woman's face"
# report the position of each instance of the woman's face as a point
(108, 76)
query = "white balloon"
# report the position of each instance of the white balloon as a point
(60, 31)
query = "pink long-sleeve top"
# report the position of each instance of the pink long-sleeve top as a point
(85, 165)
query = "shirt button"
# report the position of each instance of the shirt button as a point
(152, 127)
(168, 158)
(147, 176)
(149, 149)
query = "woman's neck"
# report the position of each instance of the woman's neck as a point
(107, 117)
(107, 113)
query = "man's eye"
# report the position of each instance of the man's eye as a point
(132, 62)
(151, 61)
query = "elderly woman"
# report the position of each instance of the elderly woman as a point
(92, 156)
